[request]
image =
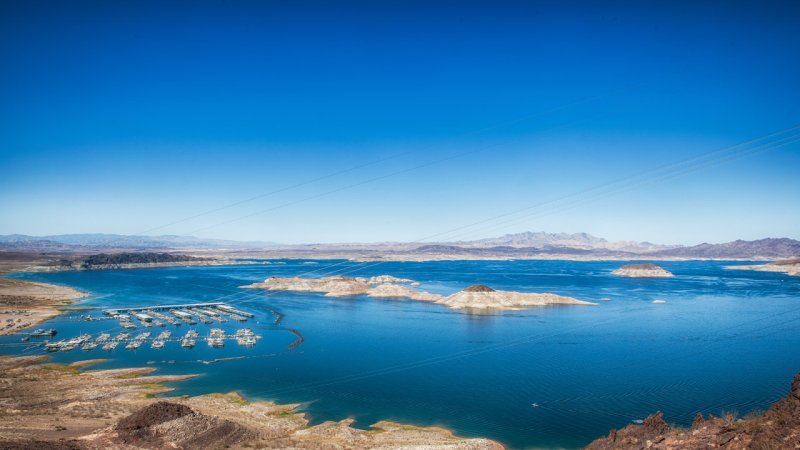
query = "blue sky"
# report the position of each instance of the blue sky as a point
(123, 117)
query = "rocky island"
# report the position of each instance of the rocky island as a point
(647, 270)
(483, 297)
(382, 286)
(387, 286)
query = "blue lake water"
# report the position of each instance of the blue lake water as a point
(724, 341)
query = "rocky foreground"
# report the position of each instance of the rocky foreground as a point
(778, 428)
(475, 297)
(50, 406)
(647, 270)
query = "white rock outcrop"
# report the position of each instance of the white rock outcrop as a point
(484, 297)
(382, 286)
(473, 297)
(642, 271)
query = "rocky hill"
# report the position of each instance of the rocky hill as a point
(762, 248)
(519, 245)
(778, 428)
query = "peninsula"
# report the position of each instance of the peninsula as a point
(387, 286)
(647, 270)
(789, 267)
(128, 260)
(24, 304)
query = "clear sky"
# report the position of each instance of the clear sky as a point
(127, 116)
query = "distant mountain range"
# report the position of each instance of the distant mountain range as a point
(527, 244)
(110, 241)
(541, 239)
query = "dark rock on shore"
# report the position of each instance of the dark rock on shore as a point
(778, 428)
(479, 288)
(179, 425)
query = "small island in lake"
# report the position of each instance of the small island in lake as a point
(483, 297)
(387, 286)
(647, 270)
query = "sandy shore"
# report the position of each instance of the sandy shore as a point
(62, 406)
(24, 304)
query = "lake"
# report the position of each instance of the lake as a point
(725, 341)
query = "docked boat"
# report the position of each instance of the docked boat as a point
(111, 345)
(187, 343)
(42, 332)
(157, 344)
(103, 338)
(53, 346)
(216, 342)
(89, 346)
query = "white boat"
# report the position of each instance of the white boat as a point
(157, 344)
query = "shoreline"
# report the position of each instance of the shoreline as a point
(139, 388)
(382, 257)
(132, 266)
(97, 404)
(793, 270)
(26, 304)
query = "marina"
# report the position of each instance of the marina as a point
(162, 315)
(158, 315)
(216, 339)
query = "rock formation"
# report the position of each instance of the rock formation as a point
(483, 297)
(382, 286)
(386, 286)
(647, 270)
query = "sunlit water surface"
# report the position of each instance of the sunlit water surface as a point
(724, 341)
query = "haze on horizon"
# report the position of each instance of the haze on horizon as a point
(414, 119)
